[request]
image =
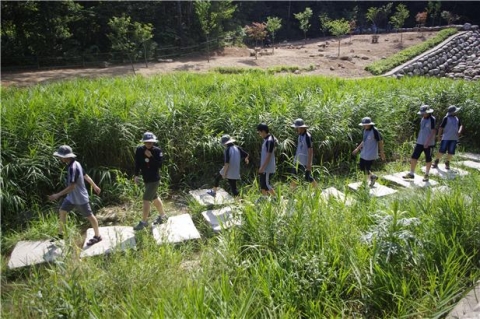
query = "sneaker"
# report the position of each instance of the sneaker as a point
(160, 220)
(94, 240)
(141, 225)
(373, 178)
(409, 176)
(435, 164)
(211, 192)
(425, 178)
(447, 165)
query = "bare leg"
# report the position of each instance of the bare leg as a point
(157, 202)
(146, 210)
(94, 222)
(413, 164)
(427, 167)
(62, 221)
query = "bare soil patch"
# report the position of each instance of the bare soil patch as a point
(356, 52)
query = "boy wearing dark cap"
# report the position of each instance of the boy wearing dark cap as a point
(448, 132)
(77, 194)
(267, 159)
(148, 160)
(302, 162)
(425, 142)
(232, 157)
(372, 142)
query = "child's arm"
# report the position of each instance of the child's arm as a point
(244, 154)
(382, 152)
(89, 180)
(358, 148)
(65, 191)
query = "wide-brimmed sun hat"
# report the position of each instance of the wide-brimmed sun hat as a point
(299, 123)
(453, 109)
(425, 109)
(226, 139)
(149, 137)
(366, 121)
(64, 151)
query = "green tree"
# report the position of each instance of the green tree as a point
(273, 24)
(378, 15)
(449, 17)
(338, 28)
(324, 19)
(304, 19)
(399, 17)
(128, 37)
(433, 10)
(256, 31)
(212, 16)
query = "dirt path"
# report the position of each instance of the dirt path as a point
(320, 53)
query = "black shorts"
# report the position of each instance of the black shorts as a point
(265, 181)
(302, 170)
(418, 151)
(365, 165)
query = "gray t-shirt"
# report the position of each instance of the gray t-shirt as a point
(232, 157)
(427, 125)
(303, 145)
(268, 146)
(370, 144)
(79, 195)
(450, 125)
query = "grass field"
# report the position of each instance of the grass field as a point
(410, 255)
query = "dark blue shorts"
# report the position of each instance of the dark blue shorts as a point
(418, 151)
(302, 170)
(265, 181)
(84, 209)
(448, 145)
(365, 166)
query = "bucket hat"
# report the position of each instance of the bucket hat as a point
(425, 109)
(366, 121)
(226, 139)
(453, 109)
(64, 151)
(299, 123)
(149, 137)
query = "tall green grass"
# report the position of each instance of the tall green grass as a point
(412, 255)
(103, 120)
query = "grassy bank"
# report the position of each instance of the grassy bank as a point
(104, 119)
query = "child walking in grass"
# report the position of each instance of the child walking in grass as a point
(230, 171)
(77, 195)
(425, 142)
(148, 160)
(267, 159)
(371, 144)
(302, 163)
(448, 132)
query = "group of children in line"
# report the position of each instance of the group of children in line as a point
(149, 158)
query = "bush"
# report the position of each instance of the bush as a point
(382, 66)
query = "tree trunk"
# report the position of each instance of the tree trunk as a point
(339, 40)
(273, 44)
(131, 62)
(145, 54)
(208, 51)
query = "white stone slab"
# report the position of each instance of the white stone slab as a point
(221, 198)
(468, 307)
(378, 190)
(471, 164)
(470, 156)
(35, 252)
(114, 238)
(221, 218)
(415, 182)
(177, 229)
(332, 192)
(441, 172)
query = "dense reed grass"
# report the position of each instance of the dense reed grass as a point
(104, 119)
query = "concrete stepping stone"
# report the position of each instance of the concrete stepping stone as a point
(332, 192)
(221, 219)
(471, 164)
(468, 307)
(378, 190)
(177, 229)
(415, 182)
(470, 156)
(205, 199)
(28, 253)
(446, 173)
(114, 238)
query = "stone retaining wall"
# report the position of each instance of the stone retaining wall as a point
(458, 57)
